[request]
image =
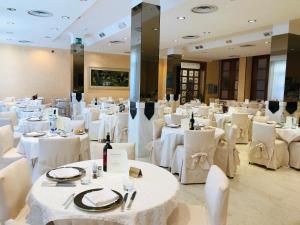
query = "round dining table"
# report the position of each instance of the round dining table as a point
(154, 202)
(171, 137)
(29, 146)
(288, 134)
(26, 125)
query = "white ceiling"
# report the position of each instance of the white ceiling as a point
(89, 18)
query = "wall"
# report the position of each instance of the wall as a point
(212, 77)
(242, 78)
(25, 71)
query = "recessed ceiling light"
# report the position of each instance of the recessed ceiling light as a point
(40, 13)
(252, 21)
(175, 40)
(204, 9)
(11, 9)
(181, 17)
(9, 32)
(24, 41)
(65, 17)
(190, 37)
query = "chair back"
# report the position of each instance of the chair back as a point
(199, 141)
(94, 114)
(240, 120)
(261, 119)
(10, 115)
(176, 118)
(56, 152)
(6, 139)
(264, 133)
(217, 195)
(76, 124)
(158, 125)
(203, 110)
(232, 136)
(63, 123)
(15, 183)
(6, 121)
(122, 120)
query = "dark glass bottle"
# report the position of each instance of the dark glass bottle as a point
(192, 122)
(96, 101)
(106, 146)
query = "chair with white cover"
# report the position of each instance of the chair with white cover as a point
(10, 115)
(15, 183)
(176, 118)
(276, 116)
(8, 153)
(294, 149)
(193, 159)
(226, 155)
(203, 111)
(265, 149)
(94, 124)
(17, 135)
(76, 124)
(121, 128)
(97, 153)
(63, 123)
(156, 145)
(216, 192)
(241, 120)
(55, 152)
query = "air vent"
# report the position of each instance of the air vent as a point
(199, 47)
(205, 9)
(268, 34)
(24, 41)
(190, 37)
(247, 46)
(228, 41)
(40, 13)
(116, 42)
(122, 25)
(102, 35)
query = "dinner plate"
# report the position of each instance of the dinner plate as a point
(173, 125)
(33, 119)
(79, 202)
(69, 178)
(34, 134)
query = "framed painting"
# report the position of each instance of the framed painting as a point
(109, 78)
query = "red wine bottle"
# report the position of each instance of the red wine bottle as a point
(106, 146)
(192, 122)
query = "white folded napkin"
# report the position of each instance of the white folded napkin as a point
(34, 118)
(101, 198)
(64, 173)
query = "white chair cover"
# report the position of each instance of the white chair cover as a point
(97, 149)
(193, 160)
(15, 183)
(265, 149)
(216, 197)
(176, 118)
(63, 123)
(294, 149)
(56, 152)
(203, 111)
(76, 124)
(241, 120)
(277, 115)
(94, 123)
(10, 115)
(121, 129)
(227, 156)
(156, 145)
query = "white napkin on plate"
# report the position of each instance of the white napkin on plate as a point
(102, 197)
(64, 173)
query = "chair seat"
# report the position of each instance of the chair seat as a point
(189, 215)
(21, 217)
(9, 157)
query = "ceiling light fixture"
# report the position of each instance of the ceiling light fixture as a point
(204, 9)
(190, 37)
(65, 17)
(10, 23)
(252, 21)
(11, 9)
(40, 13)
(181, 17)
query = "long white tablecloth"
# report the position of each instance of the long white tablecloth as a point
(154, 202)
(171, 137)
(288, 134)
(26, 126)
(29, 146)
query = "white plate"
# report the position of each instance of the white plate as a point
(64, 173)
(173, 125)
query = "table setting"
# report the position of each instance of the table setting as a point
(72, 192)
(33, 123)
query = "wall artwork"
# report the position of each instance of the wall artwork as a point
(109, 78)
(184, 80)
(184, 73)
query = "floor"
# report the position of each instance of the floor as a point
(257, 196)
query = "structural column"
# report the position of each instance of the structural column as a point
(144, 64)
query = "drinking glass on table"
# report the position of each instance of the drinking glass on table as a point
(85, 180)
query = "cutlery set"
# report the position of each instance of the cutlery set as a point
(130, 201)
(69, 200)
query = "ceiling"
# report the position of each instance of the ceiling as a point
(88, 18)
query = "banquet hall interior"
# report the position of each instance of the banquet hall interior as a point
(149, 112)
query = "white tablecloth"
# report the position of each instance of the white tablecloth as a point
(288, 134)
(171, 137)
(199, 120)
(29, 146)
(26, 126)
(154, 202)
(107, 125)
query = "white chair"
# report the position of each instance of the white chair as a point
(8, 153)
(63, 123)
(226, 155)
(10, 115)
(176, 118)
(97, 149)
(203, 111)
(265, 149)
(156, 145)
(277, 115)
(294, 149)
(121, 128)
(55, 152)
(193, 159)
(15, 183)
(94, 124)
(241, 120)
(76, 124)
(216, 197)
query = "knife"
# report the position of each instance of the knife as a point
(131, 200)
(124, 201)
(68, 199)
